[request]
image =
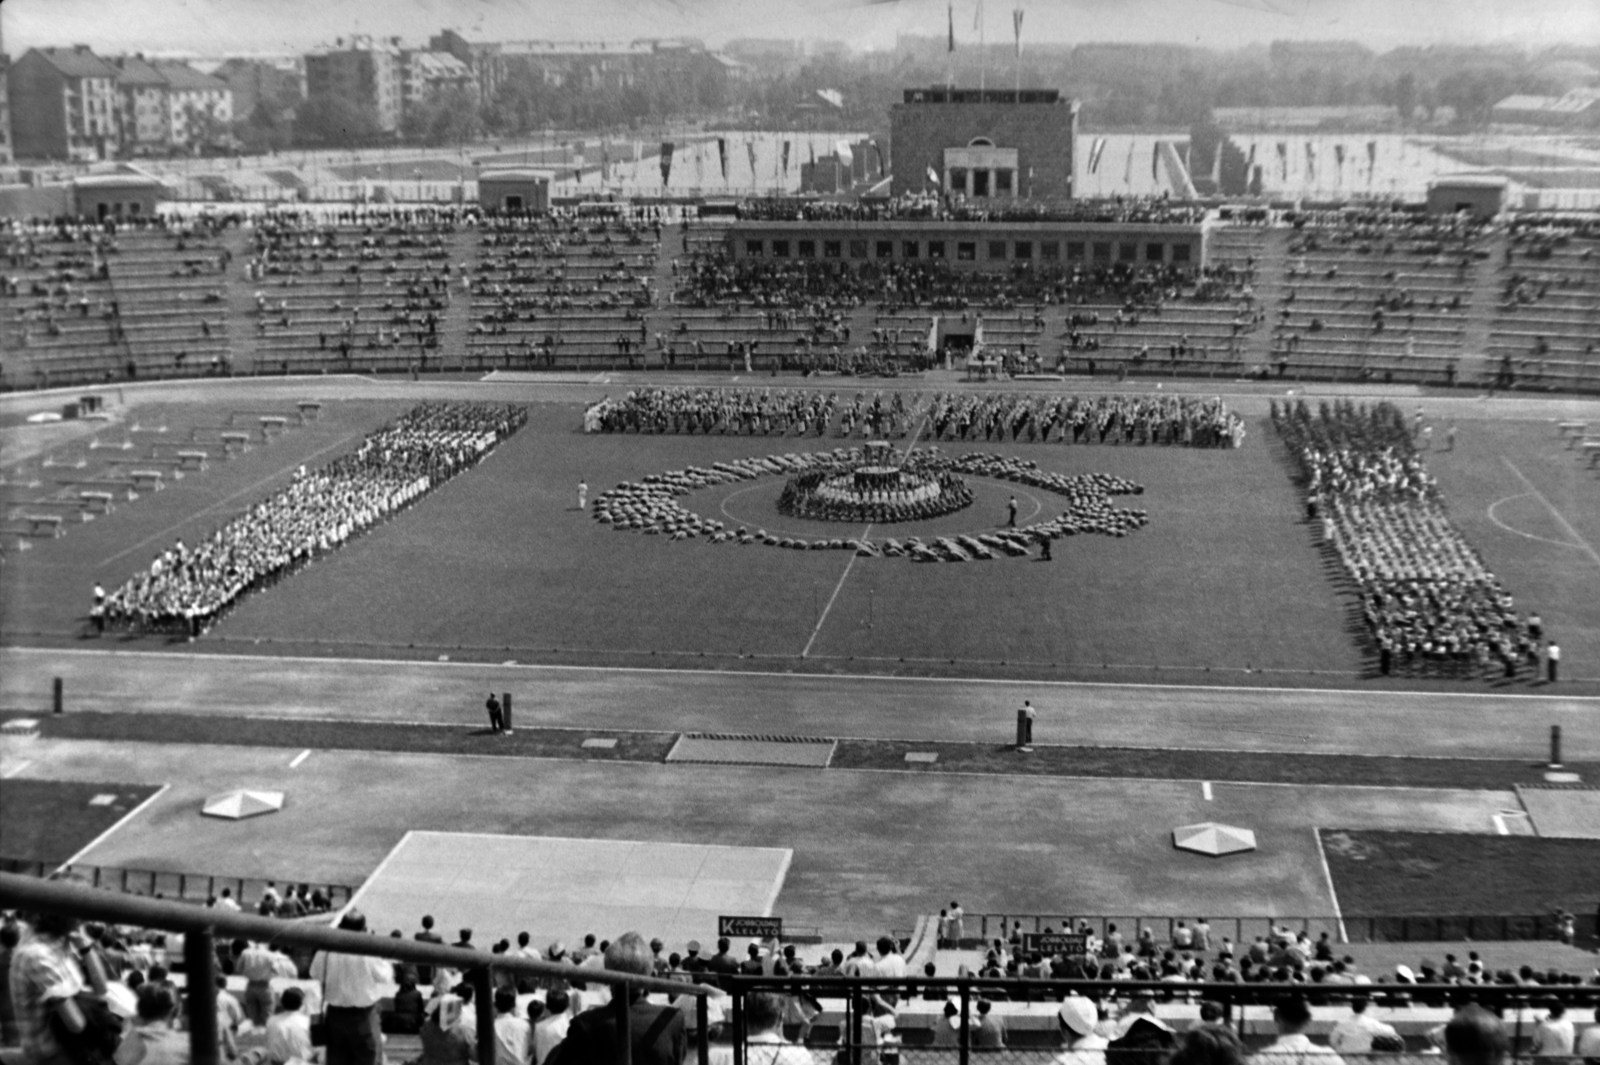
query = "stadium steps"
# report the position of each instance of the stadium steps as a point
(1477, 363)
(1271, 286)
(455, 326)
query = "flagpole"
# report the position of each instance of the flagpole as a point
(983, 52)
(1016, 60)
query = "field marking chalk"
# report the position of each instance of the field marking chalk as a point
(837, 588)
(124, 819)
(1518, 532)
(14, 770)
(1205, 789)
(302, 756)
(1333, 895)
(1577, 540)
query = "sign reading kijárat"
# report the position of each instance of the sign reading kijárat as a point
(751, 927)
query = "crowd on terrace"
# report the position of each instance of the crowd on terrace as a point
(186, 588)
(1431, 603)
(551, 1018)
(931, 206)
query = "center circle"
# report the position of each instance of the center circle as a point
(876, 486)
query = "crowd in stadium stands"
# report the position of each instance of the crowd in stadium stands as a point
(562, 1018)
(1429, 600)
(185, 589)
(928, 206)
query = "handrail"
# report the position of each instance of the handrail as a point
(25, 892)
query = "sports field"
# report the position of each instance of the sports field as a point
(371, 734)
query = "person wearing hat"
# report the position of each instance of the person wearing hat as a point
(693, 963)
(1084, 1046)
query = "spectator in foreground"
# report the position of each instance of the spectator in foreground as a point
(1293, 1046)
(153, 1040)
(657, 1031)
(353, 987)
(1209, 1044)
(1588, 1047)
(1085, 1046)
(1475, 1036)
(513, 1036)
(765, 1045)
(443, 1041)
(45, 982)
(289, 1031)
(1355, 1033)
(1555, 1036)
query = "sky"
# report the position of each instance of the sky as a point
(212, 27)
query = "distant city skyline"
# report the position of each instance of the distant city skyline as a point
(215, 27)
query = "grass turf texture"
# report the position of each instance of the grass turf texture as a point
(1393, 873)
(1045, 761)
(51, 820)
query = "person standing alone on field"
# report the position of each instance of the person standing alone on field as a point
(1552, 658)
(1011, 513)
(497, 721)
(583, 495)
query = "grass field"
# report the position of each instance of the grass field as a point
(51, 820)
(1225, 578)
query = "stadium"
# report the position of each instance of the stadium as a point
(1016, 577)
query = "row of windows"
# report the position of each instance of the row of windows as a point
(1100, 251)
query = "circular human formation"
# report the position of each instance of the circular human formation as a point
(881, 488)
(652, 506)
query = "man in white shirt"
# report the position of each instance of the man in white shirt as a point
(289, 1031)
(353, 985)
(1588, 1046)
(1354, 1034)
(552, 1028)
(513, 1038)
(1293, 1046)
(1554, 1037)
(763, 1018)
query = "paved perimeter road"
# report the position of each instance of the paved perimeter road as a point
(1472, 724)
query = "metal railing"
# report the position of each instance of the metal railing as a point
(1347, 928)
(177, 887)
(857, 1040)
(202, 926)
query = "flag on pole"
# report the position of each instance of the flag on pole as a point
(1155, 158)
(933, 335)
(951, 11)
(1127, 171)
(1016, 28)
(722, 156)
(1338, 155)
(605, 162)
(1311, 160)
(1216, 163)
(666, 161)
(750, 151)
(1096, 150)
(786, 158)
(1283, 158)
(933, 176)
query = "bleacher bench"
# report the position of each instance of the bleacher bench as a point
(1592, 449)
(49, 524)
(148, 480)
(271, 423)
(1576, 429)
(235, 442)
(309, 409)
(96, 500)
(192, 460)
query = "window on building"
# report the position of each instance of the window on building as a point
(936, 249)
(780, 249)
(858, 249)
(1075, 251)
(966, 250)
(908, 249)
(1154, 252)
(1002, 182)
(1024, 249)
(1102, 251)
(980, 183)
(885, 249)
(753, 248)
(1050, 251)
(1127, 252)
(808, 249)
(958, 179)
(997, 249)
(1180, 253)
(831, 249)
